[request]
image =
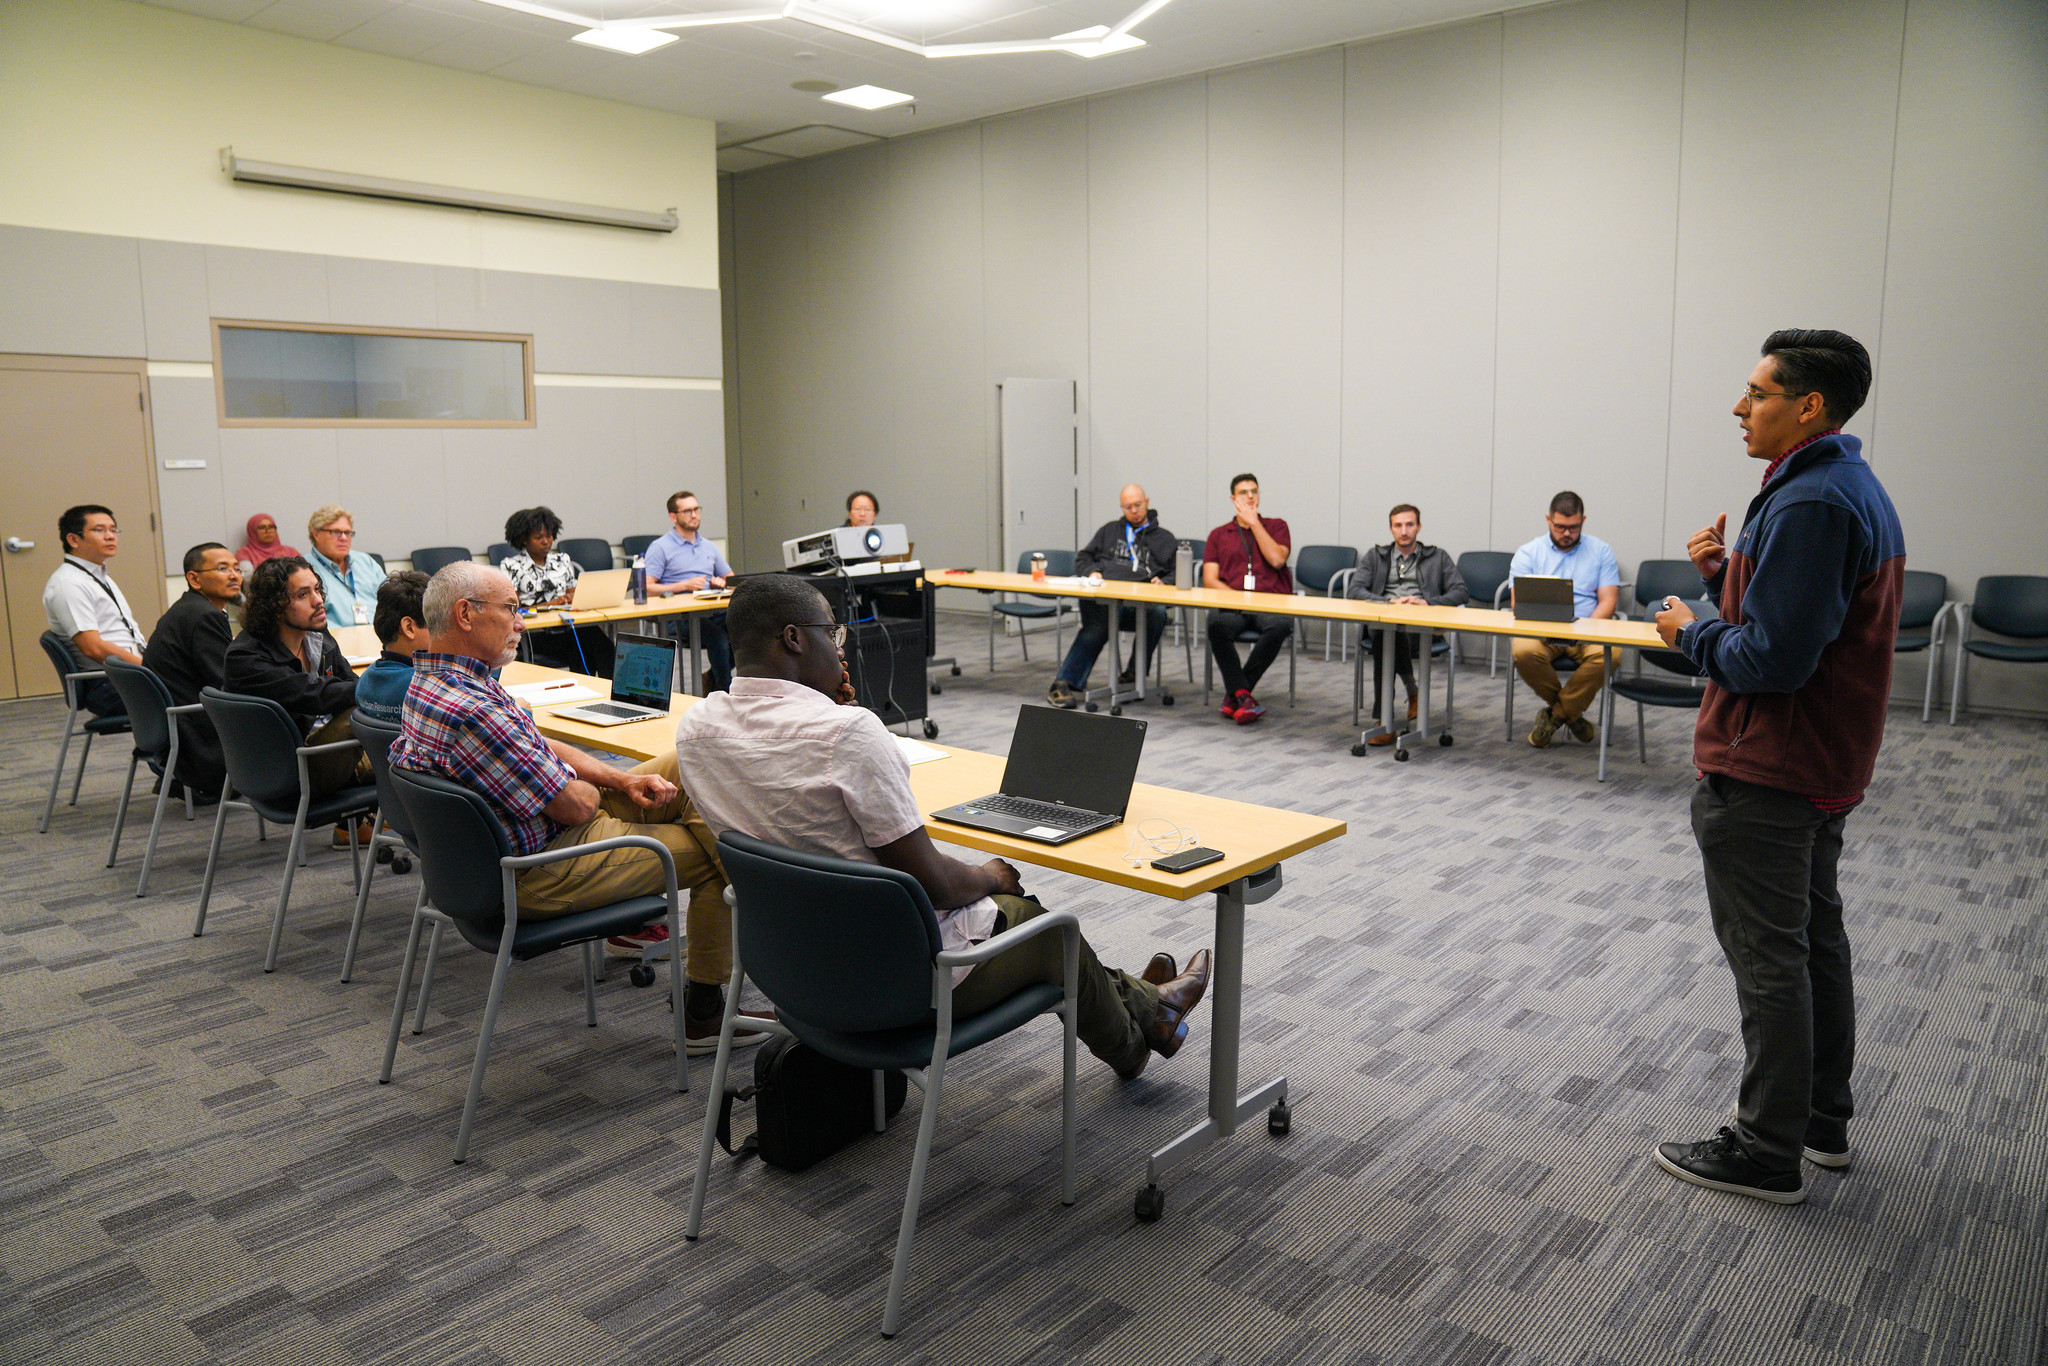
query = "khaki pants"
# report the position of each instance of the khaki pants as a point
(1113, 1003)
(1567, 700)
(342, 768)
(581, 884)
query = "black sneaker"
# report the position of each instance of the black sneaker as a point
(1827, 1145)
(1721, 1164)
(1061, 695)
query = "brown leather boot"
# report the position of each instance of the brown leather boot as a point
(1160, 970)
(1167, 1029)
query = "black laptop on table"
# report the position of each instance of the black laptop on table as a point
(1543, 597)
(1069, 774)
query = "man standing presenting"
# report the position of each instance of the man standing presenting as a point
(1134, 549)
(83, 604)
(1247, 552)
(1566, 552)
(1406, 571)
(1799, 668)
(682, 561)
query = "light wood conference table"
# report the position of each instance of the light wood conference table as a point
(359, 644)
(1255, 840)
(1384, 618)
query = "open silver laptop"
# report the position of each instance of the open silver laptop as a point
(597, 589)
(641, 671)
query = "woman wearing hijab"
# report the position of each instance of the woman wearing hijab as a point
(263, 543)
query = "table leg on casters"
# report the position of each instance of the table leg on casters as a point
(1383, 632)
(1227, 1109)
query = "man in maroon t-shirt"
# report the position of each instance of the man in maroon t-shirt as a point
(1248, 552)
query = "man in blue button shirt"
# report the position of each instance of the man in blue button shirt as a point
(1566, 552)
(683, 562)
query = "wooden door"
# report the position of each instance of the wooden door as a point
(71, 431)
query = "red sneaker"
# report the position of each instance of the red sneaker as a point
(636, 944)
(1248, 709)
(1228, 711)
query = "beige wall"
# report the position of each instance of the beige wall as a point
(112, 117)
(1467, 268)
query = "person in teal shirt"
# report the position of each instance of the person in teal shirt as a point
(348, 580)
(401, 623)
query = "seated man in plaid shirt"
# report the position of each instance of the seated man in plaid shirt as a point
(460, 724)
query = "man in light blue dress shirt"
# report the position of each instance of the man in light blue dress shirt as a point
(1566, 552)
(683, 561)
(348, 580)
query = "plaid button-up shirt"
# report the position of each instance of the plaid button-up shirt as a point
(460, 724)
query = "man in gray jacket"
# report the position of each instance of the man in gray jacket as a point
(1406, 571)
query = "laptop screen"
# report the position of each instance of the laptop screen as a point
(1074, 759)
(642, 669)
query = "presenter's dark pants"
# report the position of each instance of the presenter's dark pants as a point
(1769, 858)
(1094, 634)
(1226, 627)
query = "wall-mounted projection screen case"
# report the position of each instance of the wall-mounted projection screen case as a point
(269, 374)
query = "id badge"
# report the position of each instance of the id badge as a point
(1250, 583)
(362, 617)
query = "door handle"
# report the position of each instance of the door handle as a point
(15, 545)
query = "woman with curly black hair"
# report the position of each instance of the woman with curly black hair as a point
(544, 578)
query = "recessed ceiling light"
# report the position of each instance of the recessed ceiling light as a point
(631, 41)
(869, 97)
(1097, 41)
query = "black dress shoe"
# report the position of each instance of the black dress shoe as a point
(1160, 970)
(1722, 1164)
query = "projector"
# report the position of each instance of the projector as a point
(844, 543)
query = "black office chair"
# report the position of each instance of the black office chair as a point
(1322, 571)
(377, 738)
(1487, 575)
(636, 545)
(2012, 605)
(849, 954)
(432, 559)
(153, 717)
(1923, 625)
(1654, 692)
(499, 552)
(587, 552)
(470, 875)
(72, 676)
(1058, 564)
(1244, 637)
(379, 559)
(267, 768)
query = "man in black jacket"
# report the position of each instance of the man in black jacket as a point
(188, 651)
(1406, 571)
(1135, 549)
(285, 653)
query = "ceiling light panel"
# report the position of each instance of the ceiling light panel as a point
(869, 97)
(631, 41)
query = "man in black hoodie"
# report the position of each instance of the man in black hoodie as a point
(1135, 549)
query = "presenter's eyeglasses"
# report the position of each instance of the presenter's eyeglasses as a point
(838, 631)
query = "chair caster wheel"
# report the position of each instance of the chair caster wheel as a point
(1150, 1205)
(1116, 711)
(1360, 750)
(931, 730)
(400, 864)
(1445, 741)
(1400, 756)
(1090, 706)
(383, 853)
(956, 671)
(1279, 1119)
(1166, 699)
(642, 975)
(936, 690)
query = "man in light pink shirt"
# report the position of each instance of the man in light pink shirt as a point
(783, 757)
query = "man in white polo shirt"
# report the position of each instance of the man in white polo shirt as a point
(782, 757)
(84, 605)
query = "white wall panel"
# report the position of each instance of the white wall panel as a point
(1590, 99)
(406, 468)
(266, 286)
(678, 442)
(1956, 431)
(183, 426)
(1035, 274)
(486, 474)
(1785, 183)
(1421, 223)
(287, 472)
(381, 293)
(1276, 251)
(1148, 270)
(69, 295)
(174, 301)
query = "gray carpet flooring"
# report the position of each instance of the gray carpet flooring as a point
(1493, 996)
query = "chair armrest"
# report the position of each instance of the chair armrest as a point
(1340, 582)
(85, 674)
(306, 751)
(521, 862)
(185, 710)
(1502, 592)
(1016, 934)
